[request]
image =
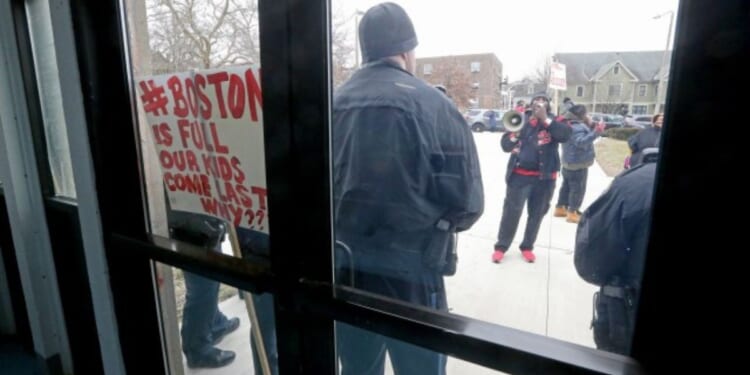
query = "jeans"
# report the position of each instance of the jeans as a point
(536, 194)
(362, 352)
(573, 188)
(201, 317)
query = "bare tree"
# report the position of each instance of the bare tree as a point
(245, 22)
(456, 80)
(342, 49)
(186, 34)
(542, 72)
(203, 33)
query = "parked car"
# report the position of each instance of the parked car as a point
(479, 119)
(610, 121)
(630, 122)
(642, 120)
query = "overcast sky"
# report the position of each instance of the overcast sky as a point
(521, 33)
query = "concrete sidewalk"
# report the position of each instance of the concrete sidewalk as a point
(546, 297)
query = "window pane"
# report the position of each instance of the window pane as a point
(406, 181)
(208, 327)
(641, 90)
(200, 107)
(50, 98)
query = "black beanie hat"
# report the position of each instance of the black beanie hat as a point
(578, 110)
(386, 30)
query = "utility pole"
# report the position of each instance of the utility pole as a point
(660, 88)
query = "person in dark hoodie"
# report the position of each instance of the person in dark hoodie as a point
(532, 171)
(406, 178)
(578, 156)
(645, 138)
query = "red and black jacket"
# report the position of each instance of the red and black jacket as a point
(534, 149)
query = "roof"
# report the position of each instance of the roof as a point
(581, 67)
(607, 67)
(478, 56)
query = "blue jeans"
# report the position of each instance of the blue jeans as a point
(201, 317)
(533, 192)
(362, 352)
(573, 188)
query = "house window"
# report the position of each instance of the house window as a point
(641, 90)
(427, 69)
(579, 91)
(656, 90)
(639, 109)
(530, 89)
(617, 69)
(475, 85)
(475, 67)
(614, 90)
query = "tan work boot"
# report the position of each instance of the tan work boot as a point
(573, 217)
(560, 211)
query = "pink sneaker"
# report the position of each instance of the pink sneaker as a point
(528, 255)
(497, 256)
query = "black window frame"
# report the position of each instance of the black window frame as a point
(300, 274)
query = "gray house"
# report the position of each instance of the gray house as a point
(612, 82)
(524, 90)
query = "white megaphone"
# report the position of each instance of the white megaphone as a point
(513, 121)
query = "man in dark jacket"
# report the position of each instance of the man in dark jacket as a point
(531, 174)
(610, 249)
(645, 138)
(203, 324)
(406, 177)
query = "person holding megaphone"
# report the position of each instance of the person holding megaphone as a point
(532, 171)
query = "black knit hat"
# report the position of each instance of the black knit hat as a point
(578, 110)
(386, 30)
(541, 94)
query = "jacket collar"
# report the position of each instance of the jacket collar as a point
(387, 63)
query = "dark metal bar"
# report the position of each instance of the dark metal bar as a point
(294, 59)
(501, 348)
(694, 276)
(251, 273)
(103, 69)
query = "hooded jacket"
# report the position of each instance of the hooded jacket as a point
(578, 151)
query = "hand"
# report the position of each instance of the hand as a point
(513, 136)
(599, 129)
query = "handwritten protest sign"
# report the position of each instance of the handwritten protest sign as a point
(208, 131)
